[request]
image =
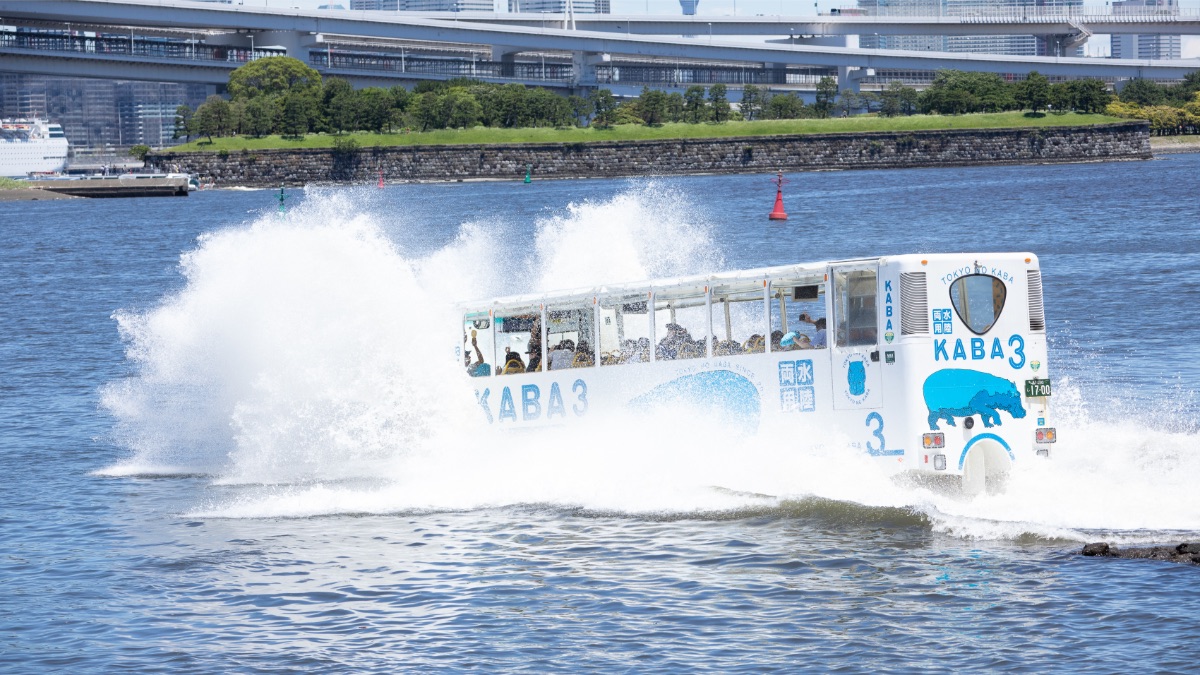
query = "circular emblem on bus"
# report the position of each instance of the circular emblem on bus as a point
(1036, 365)
(889, 336)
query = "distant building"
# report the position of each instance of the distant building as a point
(689, 6)
(560, 6)
(425, 5)
(100, 116)
(1146, 46)
(1011, 45)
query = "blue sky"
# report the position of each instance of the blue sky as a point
(1095, 47)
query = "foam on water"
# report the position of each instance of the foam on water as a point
(301, 367)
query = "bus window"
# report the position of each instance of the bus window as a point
(978, 299)
(854, 307)
(681, 324)
(570, 335)
(798, 306)
(738, 319)
(624, 330)
(477, 343)
(514, 331)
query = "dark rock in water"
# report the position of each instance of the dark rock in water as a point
(1183, 553)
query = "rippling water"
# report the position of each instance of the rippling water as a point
(230, 445)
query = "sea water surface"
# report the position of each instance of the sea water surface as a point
(236, 442)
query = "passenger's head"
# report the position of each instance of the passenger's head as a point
(820, 323)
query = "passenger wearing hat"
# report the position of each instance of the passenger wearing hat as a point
(794, 340)
(512, 362)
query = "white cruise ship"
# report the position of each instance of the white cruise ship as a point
(31, 146)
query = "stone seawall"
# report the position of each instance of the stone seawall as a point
(747, 154)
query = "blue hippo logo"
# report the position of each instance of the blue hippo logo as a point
(856, 378)
(959, 392)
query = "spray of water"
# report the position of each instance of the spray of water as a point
(309, 365)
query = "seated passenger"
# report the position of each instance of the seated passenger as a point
(512, 362)
(727, 348)
(643, 350)
(669, 347)
(562, 356)
(755, 345)
(819, 341)
(776, 336)
(794, 340)
(583, 355)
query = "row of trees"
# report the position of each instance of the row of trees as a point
(1171, 110)
(281, 95)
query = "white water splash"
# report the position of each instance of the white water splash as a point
(309, 355)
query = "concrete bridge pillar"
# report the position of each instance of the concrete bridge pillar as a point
(507, 58)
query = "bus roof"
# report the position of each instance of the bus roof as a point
(793, 271)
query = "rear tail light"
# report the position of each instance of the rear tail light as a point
(1045, 435)
(933, 441)
(939, 462)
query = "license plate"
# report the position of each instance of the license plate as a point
(1037, 387)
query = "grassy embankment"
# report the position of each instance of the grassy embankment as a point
(637, 132)
(10, 184)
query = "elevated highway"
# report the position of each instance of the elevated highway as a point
(299, 32)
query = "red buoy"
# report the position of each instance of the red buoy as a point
(778, 213)
(381, 178)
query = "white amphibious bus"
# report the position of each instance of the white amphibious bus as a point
(934, 364)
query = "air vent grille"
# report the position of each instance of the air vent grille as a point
(1037, 314)
(914, 304)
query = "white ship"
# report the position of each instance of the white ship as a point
(31, 146)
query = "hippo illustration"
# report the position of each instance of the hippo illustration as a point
(856, 378)
(953, 392)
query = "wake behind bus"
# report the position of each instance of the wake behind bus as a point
(934, 365)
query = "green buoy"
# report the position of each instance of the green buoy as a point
(282, 197)
(528, 173)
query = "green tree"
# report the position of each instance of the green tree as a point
(1034, 92)
(139, 152)
(849, 102)
(1143, 92)
(581, 109)
(273, 76)
(675, 107)
(785, 107)
(1062, 98)
(694, 106)
(1091, 95)
(826, 93)
(547, 109)
(214, 117)
(752, 103)
(513, 110)
(261, 116)
(605, 107)
(955, 92)
(298, 111)
(459, 109)
(627, 113)
(374, 109)
(652, 106)
(718, 103)
(339, 104)
(183, 122)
